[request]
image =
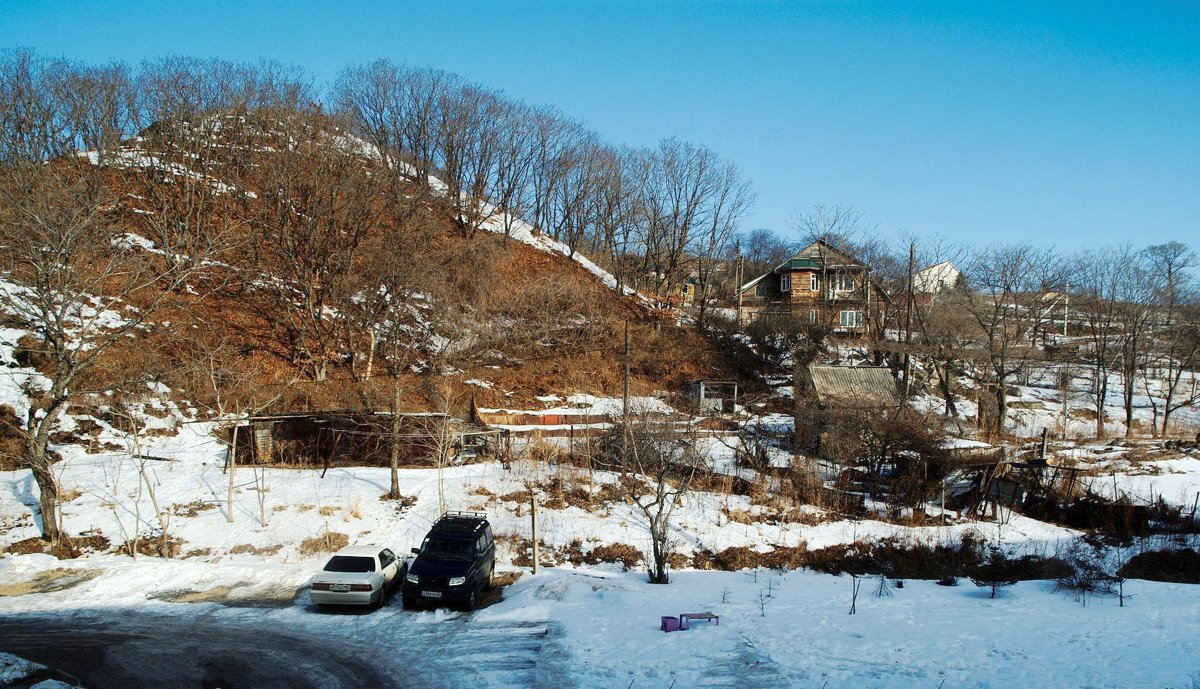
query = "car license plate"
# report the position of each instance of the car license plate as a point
(341, 588)
(431, 594)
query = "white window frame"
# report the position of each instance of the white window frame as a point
(843, 283)
(785, 282)
(854, 321)
(814, 283)
(812, 315)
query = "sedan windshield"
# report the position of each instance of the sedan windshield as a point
(447, 548)
(350, 563)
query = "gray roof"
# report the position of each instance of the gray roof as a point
(854, 386)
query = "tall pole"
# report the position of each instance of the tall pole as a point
(533, 516)
(912, 249)
(740, 276)
(394, 451)
(1066, 307)
(625, 394)
(232, 461)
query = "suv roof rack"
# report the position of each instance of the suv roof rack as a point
(468, 522)
(458, 514)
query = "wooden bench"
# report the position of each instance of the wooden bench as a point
(685, 619)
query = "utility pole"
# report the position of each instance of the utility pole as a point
(912, 249)
(394, 491)
(740, 276)
(232, 461)
(625, 394)
(533, 516)
(1066, 308)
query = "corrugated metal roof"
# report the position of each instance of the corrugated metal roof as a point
(855, 386)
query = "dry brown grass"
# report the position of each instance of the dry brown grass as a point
(50, 580)
(328, 542)
(191, 509)
(155, 546)
(247, 549)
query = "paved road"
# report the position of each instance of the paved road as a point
(121, 648)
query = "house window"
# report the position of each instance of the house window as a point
(843, 283)
(812, 282)
(812, 315)
(761, 290)
(850, 319)
(785, 282)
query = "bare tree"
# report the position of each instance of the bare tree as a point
(513, 170)
(1007, 305)
(763, 249)
(731, 199)
(73, 276)
(940, 320)
(662, 462)
(1178, 330)
(677, 182)
(1136, 320)
(319, 203)
(469, 139)
(1098, 278)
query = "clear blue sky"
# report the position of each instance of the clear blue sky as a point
(1071, 124)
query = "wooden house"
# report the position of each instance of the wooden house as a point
(820, 284)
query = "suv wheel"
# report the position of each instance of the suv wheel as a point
(410, 602)
(471, 602)
(490, 583)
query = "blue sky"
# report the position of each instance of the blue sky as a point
(1074, 124)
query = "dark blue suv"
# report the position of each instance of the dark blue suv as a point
(455, 562)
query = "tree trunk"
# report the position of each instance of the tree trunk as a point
(1001, 405)
(47, 499)
(944, 385)
(37, 458)
(1129, 403)
(658, 542)
(1101, 396)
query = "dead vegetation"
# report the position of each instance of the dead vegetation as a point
(247, 549)
(157, 545)
(58, 579)
(191, 509)
(66, 549)
(328, 542)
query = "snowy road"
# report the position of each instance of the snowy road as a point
(123, 648)
(234, 648)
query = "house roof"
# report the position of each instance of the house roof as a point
(855, 386)
(812, 257)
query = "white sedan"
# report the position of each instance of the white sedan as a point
(356, 575)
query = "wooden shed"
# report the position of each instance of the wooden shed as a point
(854, 387)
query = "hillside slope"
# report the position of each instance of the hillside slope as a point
(326, 277)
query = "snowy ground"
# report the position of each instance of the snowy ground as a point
(1042, 404)
(587, 626)
(599, 628)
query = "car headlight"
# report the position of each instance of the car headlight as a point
(412, 578)
(457, 581)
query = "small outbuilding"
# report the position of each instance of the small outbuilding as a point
(858, 387)
(713, 396)
(352, 438)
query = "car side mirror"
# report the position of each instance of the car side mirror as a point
(416, 551)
